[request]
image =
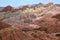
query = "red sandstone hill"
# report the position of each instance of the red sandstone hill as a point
(8, 8)
(50, 21)
(30, 22)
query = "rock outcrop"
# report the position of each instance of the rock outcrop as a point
(30, 22)
(8, 8)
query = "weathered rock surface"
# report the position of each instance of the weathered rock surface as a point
(19, 25)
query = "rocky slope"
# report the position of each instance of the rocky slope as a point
(30, 22)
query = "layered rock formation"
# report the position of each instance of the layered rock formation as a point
(30, 22)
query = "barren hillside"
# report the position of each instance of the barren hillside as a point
(30, 22)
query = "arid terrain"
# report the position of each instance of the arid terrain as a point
(30, 22)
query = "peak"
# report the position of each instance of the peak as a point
(50, 3)
(8, 6)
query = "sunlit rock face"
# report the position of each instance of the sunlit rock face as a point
(14, 33)
(50, 22)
